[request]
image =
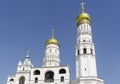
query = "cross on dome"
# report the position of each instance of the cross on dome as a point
(52, 33)
(82, 4)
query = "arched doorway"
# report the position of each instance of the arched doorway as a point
(49, 76)
(22, 80)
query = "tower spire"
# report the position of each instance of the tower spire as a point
(27, 59)
(27, 53)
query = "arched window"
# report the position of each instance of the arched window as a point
(78, 51)
(84, 51)
(62, 71)
(85, 69)
(50, 50)
(36, 72)
(91, 50)
(23, 68)
(36, 80)
(11, 79)
(56, 51)
(22, 80)
(62, 79)
(49, 76)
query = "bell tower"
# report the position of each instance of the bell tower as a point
(85, 50)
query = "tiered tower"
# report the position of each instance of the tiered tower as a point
(86, 71)
(52, 52)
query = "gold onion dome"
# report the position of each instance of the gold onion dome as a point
(52, 40)
(83, 17)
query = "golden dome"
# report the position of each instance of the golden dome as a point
(83, 17)
(52, 41)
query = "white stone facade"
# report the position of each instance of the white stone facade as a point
(40, 75)
(51, 53)
(85, 52)
(87, 80)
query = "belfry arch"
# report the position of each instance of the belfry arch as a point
(22, 80)
(49, 76)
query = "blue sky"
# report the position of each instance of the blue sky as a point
(27, 24)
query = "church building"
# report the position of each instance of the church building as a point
(51, 72)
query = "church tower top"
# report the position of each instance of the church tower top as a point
(51, 52)
(83, 17)
(52, 40)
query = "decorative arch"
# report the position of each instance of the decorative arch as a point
(22, 80)
(62, 71)
(36, 72)
(49, 76)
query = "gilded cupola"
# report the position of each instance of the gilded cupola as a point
(52, 40)
(83, 17)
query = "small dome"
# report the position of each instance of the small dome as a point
(52, 41)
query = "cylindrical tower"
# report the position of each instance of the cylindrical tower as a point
(85, 51)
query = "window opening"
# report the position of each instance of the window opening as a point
(84, 51)
(62, 79)
(91, 51)
(62, 71)
(23, 69)
(50, 50)
(36, 80)
(11, 79)
(49, 76)
(78, 52)
(36, 72)
(85, 69)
